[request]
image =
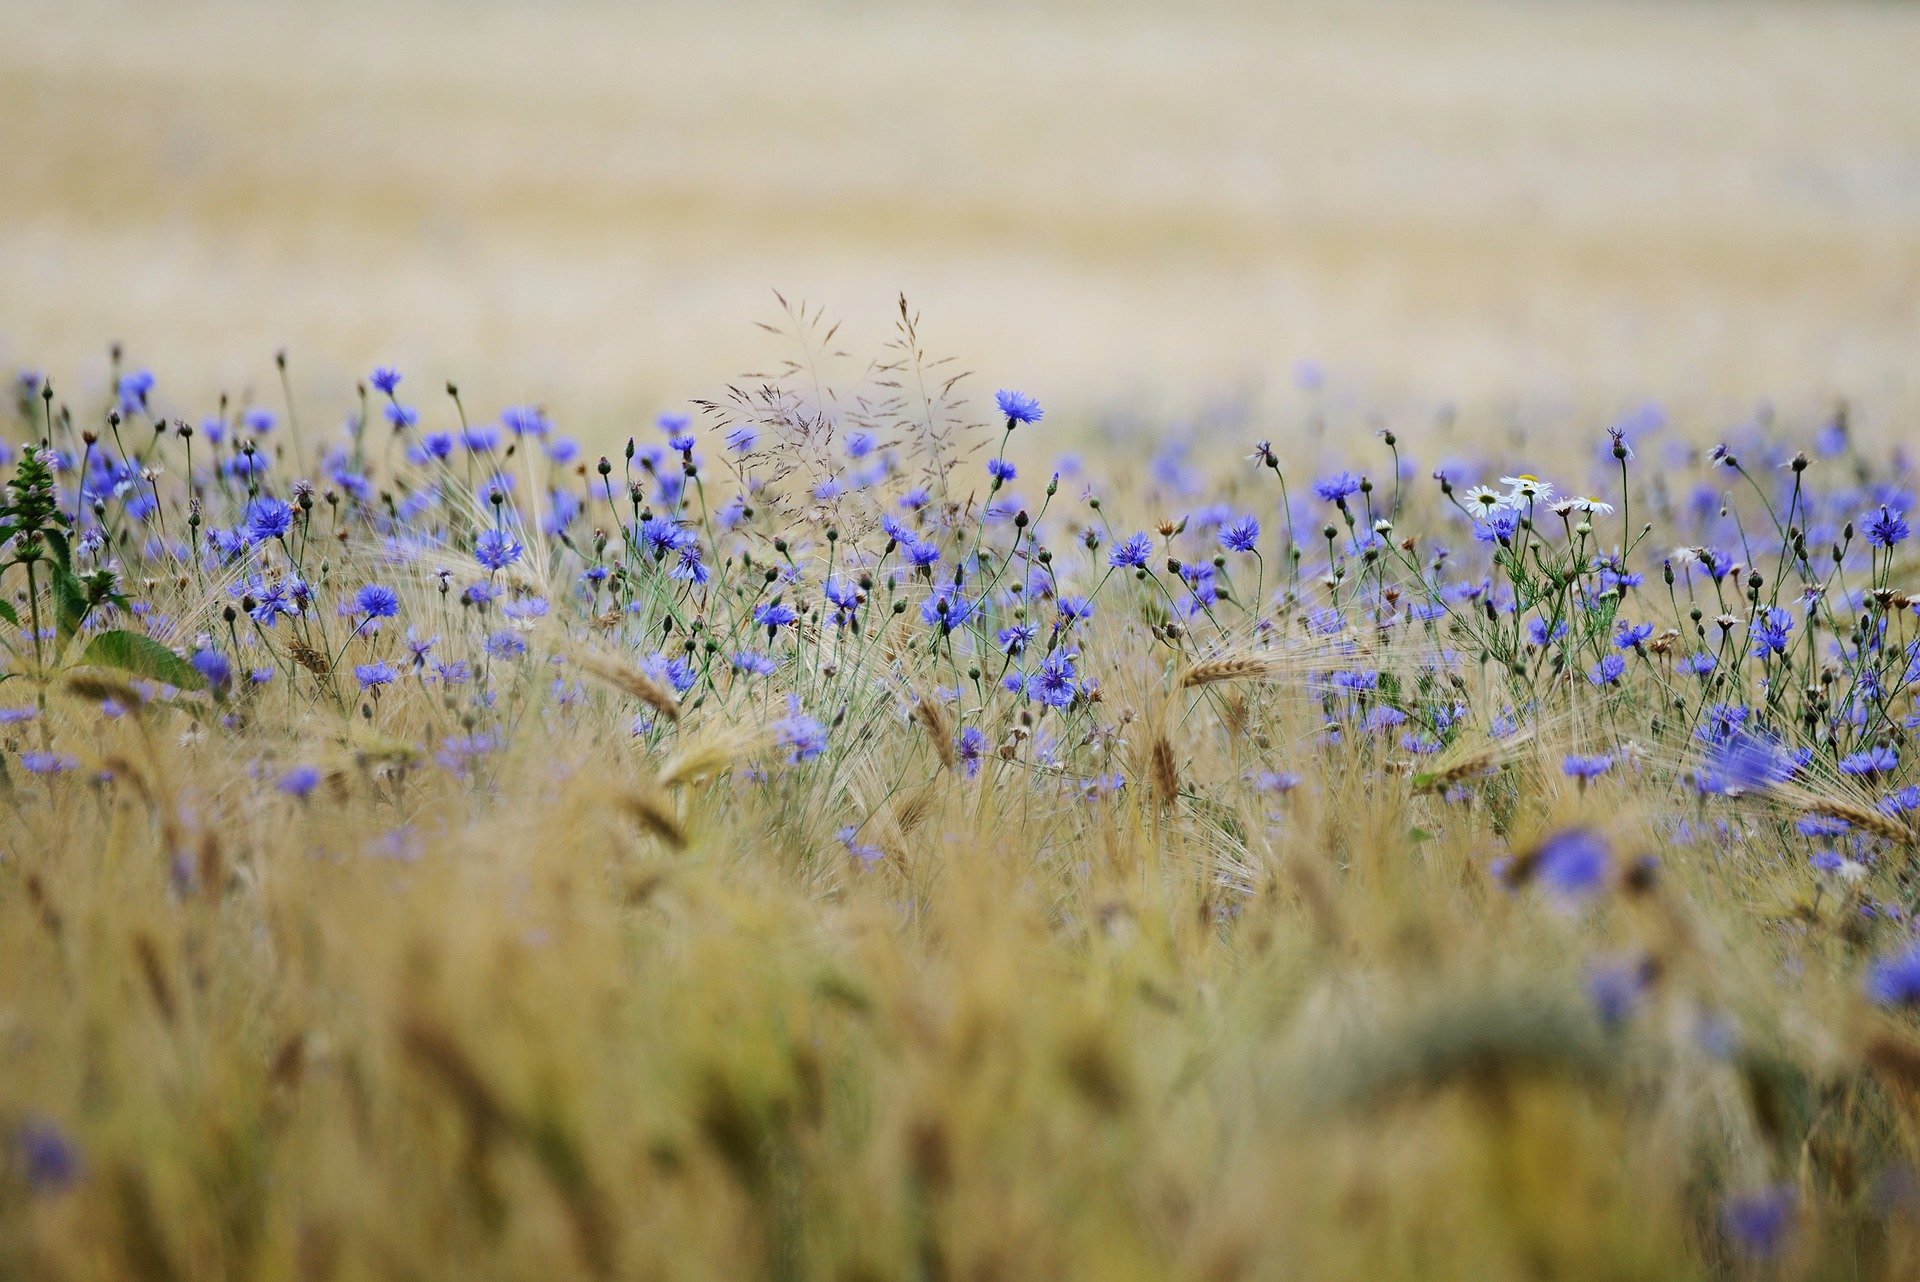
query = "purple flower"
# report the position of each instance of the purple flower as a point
(1001, 470)
(213, 665)
(945, 608)
(373, 675)
(1585, 768)
(1615, 989)
(1337, 488)
(1879, 759)
(1053, 684)
(774, 615)
(802, 736)
(1242, 535)
(496, 549)
(1895, 980)
(47, 1157)
(47, 763)
(300, 782)
(1607, 671)
(267, 518)
(385, 379)
(1018, 407)
(970, 745)
(377, 601)
(1757, 1223)
(1885, 528)
(1573, 862)
(1131, 553)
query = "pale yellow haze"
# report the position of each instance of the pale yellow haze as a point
(587, 204)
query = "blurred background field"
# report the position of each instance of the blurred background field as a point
(1109, 204)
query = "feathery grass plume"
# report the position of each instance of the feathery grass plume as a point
(627, 679)
(1233, 667)
(710, 751)
(103, 687)
(651, 812)
(930, 716)
(1470, 757)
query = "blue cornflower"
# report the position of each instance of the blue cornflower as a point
(385, 379)
(1016, 637)
(496, 549)
(1053, 684)
(1631, 635)
(1757, 1223)
(1885, 528)
(1131, 553)
(1607, 671)
(945, 608)
(1879, 759)
(258, 421)
(1741, 762)
(267, 518)
(802, 736)
(525, 420)
(774, 615)
(1242, 535)
(970, 745)
(1615, 989)
(1585, 768)
(504, 644)
(1337, 488)
(1018, 407)
(753, 664)
(401, 416)
(1826, 861)
(844, 597)
(1769, 630)
(300, 782)
(919, 554)
(213, 665)
(373, 675)
(849, 836)
(47, 1157)
(1895, 980)
(1001, 470)
(47, 763)
(1573, 862)
(377, 601)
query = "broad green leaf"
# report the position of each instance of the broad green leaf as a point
(143, 657)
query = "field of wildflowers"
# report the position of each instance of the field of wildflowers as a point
(837, 836)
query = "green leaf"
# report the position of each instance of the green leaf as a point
(143, 657)
(70, 601)
(6, 612)
(62, 554)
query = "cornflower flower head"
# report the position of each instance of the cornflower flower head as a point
(496, 549)
(267, 519)
(1757, 1224)
(1242, 535)
(377, 601)
(385, 380)
(1585, 768)
(1018, 407)
(1885, 528)
(299, 782)
(803, 737)
(1894, 980)
(1573, 862)
(371, 676)
(1131, 553)
(1337, 488)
